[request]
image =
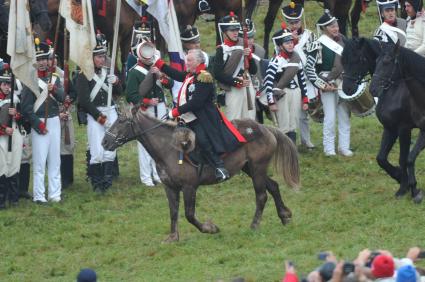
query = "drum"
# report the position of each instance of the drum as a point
(361, 103)
(315, 109)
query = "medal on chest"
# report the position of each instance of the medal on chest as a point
(191, 88)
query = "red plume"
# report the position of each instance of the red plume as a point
(283, 25)
(232, 14)
(6, 66)
(144, 19)
(48, 42)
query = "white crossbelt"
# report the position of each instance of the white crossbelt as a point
(41, 97)
(331, 44)
(100, 83)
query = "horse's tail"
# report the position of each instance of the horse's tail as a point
(286, 158)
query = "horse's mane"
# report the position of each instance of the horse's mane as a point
(355, 45)
(167, 124)
(413, 63)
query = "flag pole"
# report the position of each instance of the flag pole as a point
(114, 47)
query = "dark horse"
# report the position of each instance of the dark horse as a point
(253, 158)
(394, 111)
(187, 11)
(396, 64)
(38, 15)
(339, 8)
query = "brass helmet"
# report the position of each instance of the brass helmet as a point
(146, 52)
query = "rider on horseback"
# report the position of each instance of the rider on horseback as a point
(196, 107)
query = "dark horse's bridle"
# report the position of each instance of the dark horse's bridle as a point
(118, 141)
(387, 82)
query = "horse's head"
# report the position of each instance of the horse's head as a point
(121, 132)
(387, 69)
(355, 64)
(39, 14)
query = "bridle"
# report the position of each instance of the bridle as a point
(386, 82)
(118, 141)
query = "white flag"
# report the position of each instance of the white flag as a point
(82, 38)
(20, 44)
(163, 11)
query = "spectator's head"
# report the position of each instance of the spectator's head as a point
(406, 273)
(383, 266)
(326, 271)
(87, 275)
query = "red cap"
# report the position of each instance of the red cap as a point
(383, 266)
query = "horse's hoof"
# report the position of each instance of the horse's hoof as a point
(400, 193)
(286, 220)
(209, 227)
(254, 226)
(417, 199)
(173, 237)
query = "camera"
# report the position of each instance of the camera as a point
(372, 256)
(348, 267)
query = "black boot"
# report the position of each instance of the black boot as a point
(293, 136)
(24, 181)
(67, 170)
(13, 196)
(108, 174)
(3, 192)
(96, 178)
(221, 174)
(116, 168)
(88, 166)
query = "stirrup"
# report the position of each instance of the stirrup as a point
(204, 6)
(221, 174)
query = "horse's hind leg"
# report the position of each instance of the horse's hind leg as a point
(283, 211)
(259, 180)
(387, 142)
(173, 196)
(189, 195)
(417, 194)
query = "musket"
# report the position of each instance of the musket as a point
(12, 94)
(66, 103)
(246, 65)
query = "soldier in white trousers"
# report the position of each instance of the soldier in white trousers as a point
(293, 14)
(324, 70)
(42, 110)
(93, 99)
(229, 70)
(145, 85)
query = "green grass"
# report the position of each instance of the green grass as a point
(344, 205)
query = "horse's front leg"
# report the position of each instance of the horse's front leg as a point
(404, 137)
(387, 142)
(173, 196)
(259, 179)
(189, 195)
(417, 194)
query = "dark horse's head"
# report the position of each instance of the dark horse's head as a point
(387, 71)
(39, 14)
(121, 132)
(358, 59)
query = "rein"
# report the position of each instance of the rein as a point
(121, 140)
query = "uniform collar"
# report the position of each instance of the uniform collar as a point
(229, 42)
(139, 63)
(42, 74)
(2, 95)
(285, 54)
(200, 68)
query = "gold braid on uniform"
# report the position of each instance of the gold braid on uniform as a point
(205, 77)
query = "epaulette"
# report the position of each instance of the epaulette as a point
(205, 77)
(55, 74)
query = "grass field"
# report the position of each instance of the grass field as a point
(344, 205)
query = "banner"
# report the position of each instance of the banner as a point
(82, 38)
(20, 44)
(163, 11)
